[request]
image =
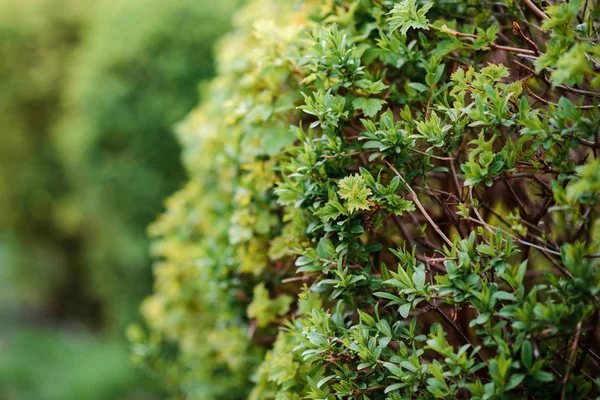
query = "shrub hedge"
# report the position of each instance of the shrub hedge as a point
(387, 200)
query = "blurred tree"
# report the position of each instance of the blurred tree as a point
(137, 74)
(89, 92)
(39, 39)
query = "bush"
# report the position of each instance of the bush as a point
(387, 200)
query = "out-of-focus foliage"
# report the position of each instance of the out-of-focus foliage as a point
(136, 75)
(41, 259)
(387, 200)
(89, 93)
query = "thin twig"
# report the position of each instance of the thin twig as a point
(455, 327)
(581, 92)
(430, 155)
(517, 29)
(476, 211)
(454, 178)
(415, 198)
(472, 37)
(370, 389)
(544, 101)
(535, 10)
(571, 359)
(585, 348)
(512, 191)
(429, 100)
(407, 236)
(299, 278)
(512, 49)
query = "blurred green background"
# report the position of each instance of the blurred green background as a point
(89, 94)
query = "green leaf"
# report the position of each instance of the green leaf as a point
(514, 381)
(366, 318)
(419, 278)
(398, 205)
(404, 310)
(393, 387)
(325, 380)
(543, 376)
(393, 368)
(505, 296)
(406, 15)
(370, 107)
(316, 339)
(527, 354)
(419, 87)
(354, 190)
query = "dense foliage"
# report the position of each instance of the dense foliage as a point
(387, 200)
(89, 92)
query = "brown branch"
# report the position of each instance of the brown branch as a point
(454, 178)
(512, 49)
(495, 46)
(415, 198)
(546, 102)
(407, 236)
(580, 92)
(299, 278)
(517, 29)
(535, 9)
(587, 341)
(571, 358)
(430, 155)
(514, 194)
(589, 143)
(371, 389)
(557, 265)
(455, 327)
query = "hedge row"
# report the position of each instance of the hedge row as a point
(387, 200)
